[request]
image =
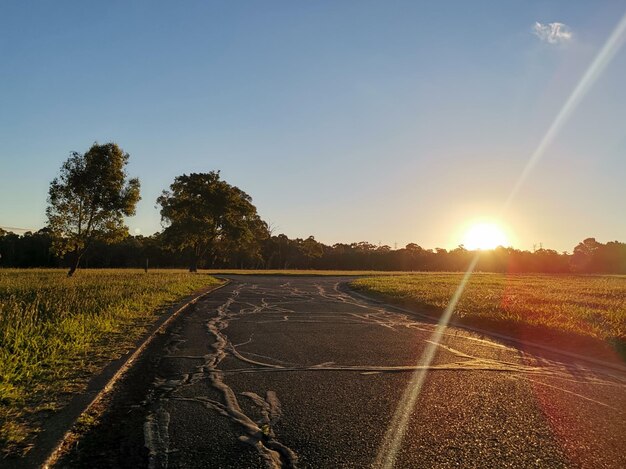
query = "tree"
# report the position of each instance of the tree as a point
(88, 200)
(201, 212)
(583, 254)
(311, 249)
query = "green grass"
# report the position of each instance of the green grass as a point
(587, 306)
(55, 332)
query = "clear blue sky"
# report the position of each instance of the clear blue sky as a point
(379, 121)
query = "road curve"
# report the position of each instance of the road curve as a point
(292, 371)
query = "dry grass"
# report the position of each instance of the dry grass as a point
(591, 306)
(56, 331)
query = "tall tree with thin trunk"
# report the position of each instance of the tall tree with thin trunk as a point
(89, 199)
(201, 212)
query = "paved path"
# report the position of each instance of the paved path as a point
(294, 372)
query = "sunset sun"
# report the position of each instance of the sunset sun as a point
(484, 236)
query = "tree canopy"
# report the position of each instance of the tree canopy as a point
(204, 215)
(89, 199)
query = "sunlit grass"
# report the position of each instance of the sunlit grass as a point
(56, 331)
(592, 306)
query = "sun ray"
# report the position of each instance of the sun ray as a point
(394, 435)
(396, 430)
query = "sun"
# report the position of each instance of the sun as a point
(484, 236)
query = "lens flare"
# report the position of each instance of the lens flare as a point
(394, 436)
(602, 59)
(396, 430)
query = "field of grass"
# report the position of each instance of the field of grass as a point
(587, 306)
(57, 331)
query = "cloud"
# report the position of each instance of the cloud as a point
(552, 33)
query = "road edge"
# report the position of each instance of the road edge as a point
(49, 443)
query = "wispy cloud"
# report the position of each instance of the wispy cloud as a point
(552, 33)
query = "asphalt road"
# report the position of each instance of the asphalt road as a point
(295, 372)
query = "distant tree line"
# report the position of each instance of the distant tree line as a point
(281, 252)
(209, 223)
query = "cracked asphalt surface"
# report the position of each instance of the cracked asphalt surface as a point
(293, 371)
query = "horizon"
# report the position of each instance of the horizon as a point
(346, 122)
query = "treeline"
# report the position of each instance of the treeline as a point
(281, 252)
(209, 223)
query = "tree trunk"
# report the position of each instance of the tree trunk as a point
(193, 267)
(74, 261)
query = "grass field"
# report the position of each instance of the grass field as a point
(588, 306)
(57, 331)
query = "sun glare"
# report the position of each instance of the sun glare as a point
(484, 236)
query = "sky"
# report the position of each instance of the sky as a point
(387, 122)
